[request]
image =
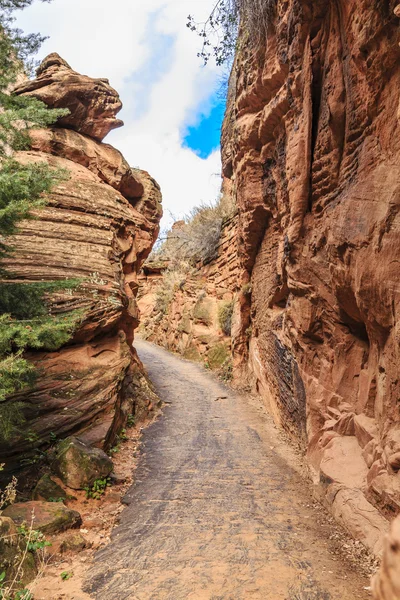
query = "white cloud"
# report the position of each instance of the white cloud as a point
(146, 51)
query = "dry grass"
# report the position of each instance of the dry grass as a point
(256, 15)
(173, 279)
(225, 313)
(196, 238)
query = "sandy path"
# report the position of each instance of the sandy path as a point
(215, 513)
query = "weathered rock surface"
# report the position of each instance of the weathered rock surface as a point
(47, 517)
(386, 583)
(351, 509)
(48, 490)
(93, 103)
(98, 227)
(79, 465)
(74, 542)
(101, 159)
(311, 147)
(190, 323)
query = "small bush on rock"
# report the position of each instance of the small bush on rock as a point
(173, 279)
(196, 238)
(219, 32)
(225, 313)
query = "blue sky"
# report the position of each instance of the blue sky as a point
(172, 111)
(204, 137)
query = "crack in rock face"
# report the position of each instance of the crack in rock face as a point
(310, 144)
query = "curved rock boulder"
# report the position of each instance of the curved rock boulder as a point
(93, 103)
(97, 228)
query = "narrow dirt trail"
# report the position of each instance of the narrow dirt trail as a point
(215, 512)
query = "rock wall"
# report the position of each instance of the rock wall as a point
(190, 324)
(98, 227)
(311, 147)
(386, 583)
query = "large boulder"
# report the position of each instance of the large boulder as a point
(14, 561)
(79, 465)
(47, 517)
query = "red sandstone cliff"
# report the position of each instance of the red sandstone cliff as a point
(98, 226)
(190, 321)
(311, 144)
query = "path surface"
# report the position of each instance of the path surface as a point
(215, 512)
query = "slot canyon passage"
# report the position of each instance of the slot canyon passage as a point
(245, 443)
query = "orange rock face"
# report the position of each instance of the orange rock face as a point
(311, 144)
(190, 322)
(386, 583)
(98, 227)
(93, 103)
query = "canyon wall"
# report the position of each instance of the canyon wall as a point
(97, 228)
(311, 146)
(195, 320)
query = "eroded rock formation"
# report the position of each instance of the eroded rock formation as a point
(386, 583)
(196, 321)
(98, 227)
(311, 144)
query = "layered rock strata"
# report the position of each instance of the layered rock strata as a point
(311, 146)
(97, 228)
(192, 322)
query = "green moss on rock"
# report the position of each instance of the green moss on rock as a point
(47, 489)
(79, 465)
(218, 355)
(191, 353)
(49, 517)
(202, 311)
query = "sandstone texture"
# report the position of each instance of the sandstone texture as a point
(79, 465)
(47, 489)
(46, 517)
(93, 103)
(191, 323)
(97, 228)
(386, 583)
(311, 147)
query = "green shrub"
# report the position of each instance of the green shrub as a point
(173, 279)
(28, 300)
(98, 488)
(43, 333)
(11, 414)
(17, 373)
(22, 189)
(226, 371)
(225, 313)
